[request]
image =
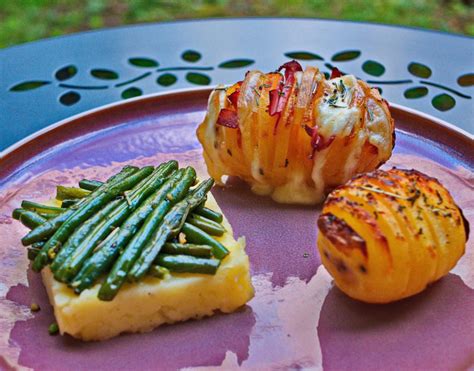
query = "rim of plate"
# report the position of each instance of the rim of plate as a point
(65, 121)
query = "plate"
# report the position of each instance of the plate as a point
(297, 318)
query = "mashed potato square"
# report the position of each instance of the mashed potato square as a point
(142, 306)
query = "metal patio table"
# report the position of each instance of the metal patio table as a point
(49, 80)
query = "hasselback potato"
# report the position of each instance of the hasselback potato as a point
(386, 235)
(295, 135)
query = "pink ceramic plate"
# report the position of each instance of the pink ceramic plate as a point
(297, 318)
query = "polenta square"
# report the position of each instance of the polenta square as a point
(144, 305)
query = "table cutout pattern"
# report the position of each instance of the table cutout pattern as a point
(442, 102)
(198, 75)
(165, 77)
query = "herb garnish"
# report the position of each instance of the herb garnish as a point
(370, 113)
(338, 94)
(376, 190)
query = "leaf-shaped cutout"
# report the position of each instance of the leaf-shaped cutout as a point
(166, 79)
(346, 55)
(65, 73)
(327, 75)
(131, 92)
(29, 85)
(236, 63)
(143, 62)
(304, 56)
(443, 102)
(373, 68)
(416, 92)
(419, 70)
(198, 78)
(69, 98)
(191, 56)
(103, 74)
(466, 80)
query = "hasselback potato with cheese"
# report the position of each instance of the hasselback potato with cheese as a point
(295, 135)
(386, 235)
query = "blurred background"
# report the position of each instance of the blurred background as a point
(28, 20)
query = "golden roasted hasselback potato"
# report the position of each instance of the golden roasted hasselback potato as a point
(386, 235)
(296, 135)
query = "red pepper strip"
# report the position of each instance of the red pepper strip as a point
(228, 118)
(335, 73)
(234, 97)
(317, 141)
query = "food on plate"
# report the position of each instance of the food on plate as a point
(386, 235)
(149, 246)
(295, 135)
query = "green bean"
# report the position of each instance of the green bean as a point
(39, 208)
(34, 249)
(31, 219)
(157, 271)
(126, 171)
(17, 213)
(198, 236)
(68, 203)
(90, 185)
(76, 237)
(209, 214)
(104, 257)
(118, 273)
(28, 218)
(83, 212)
(169, 227)
(49, 228)
(46, 229)
(207, 225)
(31, 253)
(188, 264)
(64, 193)
(83, 246)
(172, 248)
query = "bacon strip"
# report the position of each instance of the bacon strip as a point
(234, 97)
(228, 118)
(279, 97)
(273, 106)
(335, 73)
(318, 142)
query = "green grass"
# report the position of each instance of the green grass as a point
(28, 20)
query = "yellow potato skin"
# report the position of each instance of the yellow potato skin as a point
(387, 235)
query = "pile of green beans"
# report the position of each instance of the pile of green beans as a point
(141, 221)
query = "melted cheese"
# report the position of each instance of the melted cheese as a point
(296, 190)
